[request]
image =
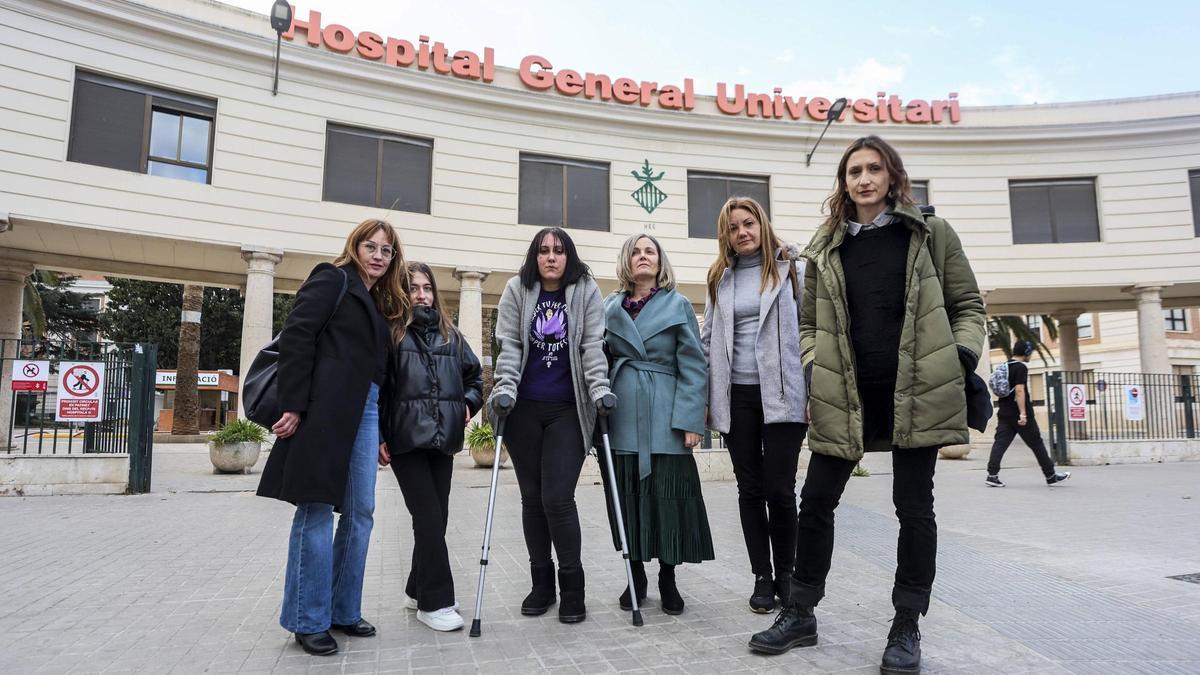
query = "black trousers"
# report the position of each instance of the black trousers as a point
(764, 463)
(424, 477)
(916, 548)
(547, 450)
(1006, 430)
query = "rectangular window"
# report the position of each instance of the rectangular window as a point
(1053, 211)
(920, 192)
(1175, 320)
(1084, 325)
(1034, 321)
(1194, 184)
(708, 192)
(566, 192)
(136, 127)
(378, 169)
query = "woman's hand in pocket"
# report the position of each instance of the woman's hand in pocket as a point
(384, 457)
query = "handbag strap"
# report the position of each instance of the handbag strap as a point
(336, 304)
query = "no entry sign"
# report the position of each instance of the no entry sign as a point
(1076, 403)
(30, 375)
(80, 392)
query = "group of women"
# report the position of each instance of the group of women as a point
(860, 341)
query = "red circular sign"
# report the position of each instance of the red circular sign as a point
(31, 370)
(80, 380)
(1077, 396)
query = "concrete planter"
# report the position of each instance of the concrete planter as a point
(955, 451)
(233, 457)
(484, 456)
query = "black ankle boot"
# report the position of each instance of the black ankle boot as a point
(672, 602)
(794, 627)
(762, 600)
(572, 608)
(903, 651)
(639, 584)
(542, 597)
(782, 585)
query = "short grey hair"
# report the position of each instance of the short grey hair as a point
(666, 276)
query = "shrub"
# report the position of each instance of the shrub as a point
(239, 431)
(479, 435)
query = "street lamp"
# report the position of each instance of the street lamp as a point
(281, 21)
(835, 111)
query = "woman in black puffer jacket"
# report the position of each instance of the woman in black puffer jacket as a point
(434, 387)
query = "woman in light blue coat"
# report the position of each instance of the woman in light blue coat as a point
(659, 373)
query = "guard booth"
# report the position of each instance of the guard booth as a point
(76, 417)
(218, 399)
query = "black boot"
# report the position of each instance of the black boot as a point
(572, 608)
(782, 585)
(794, 627)
(672, 602)
(542, 597)
(903, 651)
(639, 584)
(762, 600)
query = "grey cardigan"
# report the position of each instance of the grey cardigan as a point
(585, 323)
(777, 350)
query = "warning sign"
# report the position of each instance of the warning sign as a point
(80, 392)
(1134, 403)
(30, 375)
(1076, 403)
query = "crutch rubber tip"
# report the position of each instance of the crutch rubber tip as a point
(637, 617)
(475, 631)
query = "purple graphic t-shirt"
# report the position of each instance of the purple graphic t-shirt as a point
(547, 375)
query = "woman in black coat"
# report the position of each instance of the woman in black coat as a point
(434, 387)
(332, 363)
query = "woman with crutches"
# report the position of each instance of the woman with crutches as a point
(551, 381)
(756, 399)
(659, 373)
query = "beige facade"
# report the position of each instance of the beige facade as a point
(261, 223)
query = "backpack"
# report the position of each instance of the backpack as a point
(998, 382)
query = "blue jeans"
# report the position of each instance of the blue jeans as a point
(324, 578)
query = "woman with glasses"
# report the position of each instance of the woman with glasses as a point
(551, 382)
(332, 362)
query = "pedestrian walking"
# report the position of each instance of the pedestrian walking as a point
(551, 381)
(434, 387)
(891, 318)
(658, 372)
(332, 361)
(1013, 418)
(756, 399)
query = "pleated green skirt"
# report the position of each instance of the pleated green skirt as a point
(664, 515)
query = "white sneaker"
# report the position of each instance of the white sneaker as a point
(444, 619)
(410, 603)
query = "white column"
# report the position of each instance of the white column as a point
(256, 315)
(12, 288)
(1152, 337)
(470, 305)
(1068, 339)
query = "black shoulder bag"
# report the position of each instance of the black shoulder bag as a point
(260, 387)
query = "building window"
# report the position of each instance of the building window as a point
(708, 192)
(377, 168)
(1034, 321)
(920, 192)
(1194, 184)
(1053, 211)
(1084, 325)
(1175, 320)
(137, 127)
(566, 192)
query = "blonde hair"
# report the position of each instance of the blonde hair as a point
(390, 292)
(665, 279)
(769, 245)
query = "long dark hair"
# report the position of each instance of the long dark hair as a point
(839, 205)
(573, 271)
(445, 327)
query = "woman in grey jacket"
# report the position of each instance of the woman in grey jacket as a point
(551, 381)
(756, 391)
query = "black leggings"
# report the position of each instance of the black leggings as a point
(916, 550)
(764, 463)
(546, 445)
(424, 477)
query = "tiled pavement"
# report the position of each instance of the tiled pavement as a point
(1030, 579)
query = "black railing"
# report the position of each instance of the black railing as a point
(1087, 405)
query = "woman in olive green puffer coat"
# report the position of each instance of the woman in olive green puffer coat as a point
(892, 321)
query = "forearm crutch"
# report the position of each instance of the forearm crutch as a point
(616, 505)
(487, 528)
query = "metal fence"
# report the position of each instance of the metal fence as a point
(1086, 405)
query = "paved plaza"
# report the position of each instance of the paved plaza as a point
(1030, 580)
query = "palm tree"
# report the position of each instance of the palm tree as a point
(187, 396)
(1004, 330)
(32, 311)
